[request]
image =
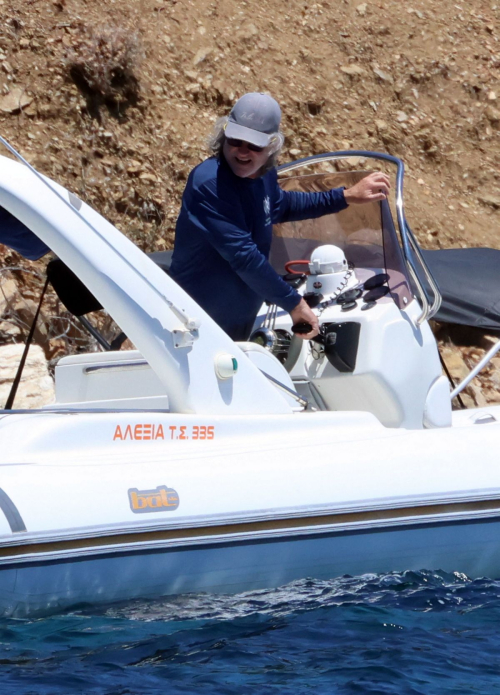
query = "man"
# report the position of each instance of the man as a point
(231, 201)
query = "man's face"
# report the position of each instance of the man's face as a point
(244, 162)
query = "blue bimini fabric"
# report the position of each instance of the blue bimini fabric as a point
(469, 284)
(17, 236)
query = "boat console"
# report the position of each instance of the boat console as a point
(364, 359)
(376, 351)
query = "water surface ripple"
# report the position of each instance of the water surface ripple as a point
(407, 633)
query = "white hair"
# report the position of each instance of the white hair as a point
(216, 139)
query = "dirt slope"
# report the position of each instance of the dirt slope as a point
(416, 79)
(117, 97)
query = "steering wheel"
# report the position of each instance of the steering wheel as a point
(288, 268)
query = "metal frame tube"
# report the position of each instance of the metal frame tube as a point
(480, 365)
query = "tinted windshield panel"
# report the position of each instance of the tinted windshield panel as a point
(356, 230)
(365, 233)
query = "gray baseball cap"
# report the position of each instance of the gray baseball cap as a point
(254, 118)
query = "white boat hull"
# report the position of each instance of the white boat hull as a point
(288, 497)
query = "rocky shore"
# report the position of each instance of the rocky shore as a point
(114, 100)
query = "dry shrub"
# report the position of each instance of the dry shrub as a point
(104, 64)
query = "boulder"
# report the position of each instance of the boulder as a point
(37, 386)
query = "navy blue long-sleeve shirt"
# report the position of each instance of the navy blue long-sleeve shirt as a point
(223, 239)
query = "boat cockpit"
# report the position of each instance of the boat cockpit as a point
(361, 270)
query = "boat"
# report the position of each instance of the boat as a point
(193, 463)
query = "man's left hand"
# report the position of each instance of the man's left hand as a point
(303, 313)
(371, 188)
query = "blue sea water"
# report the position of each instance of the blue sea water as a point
(406, 633)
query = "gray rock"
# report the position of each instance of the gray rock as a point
(384, 76)
(493, 115)
(36, 388)
(201, 55)
(353, 70)
(8, 291)
(15, 100)
(491, 200)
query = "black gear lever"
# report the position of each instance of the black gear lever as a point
(302, 328)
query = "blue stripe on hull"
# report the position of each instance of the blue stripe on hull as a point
(471, 547)
(11, 512)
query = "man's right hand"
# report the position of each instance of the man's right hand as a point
(303, 313)
(371, 188)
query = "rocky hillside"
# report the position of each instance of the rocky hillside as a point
(114, 99)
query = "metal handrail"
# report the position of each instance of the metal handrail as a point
(430, 305)
(429, 277)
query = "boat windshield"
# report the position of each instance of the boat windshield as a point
(366, 233)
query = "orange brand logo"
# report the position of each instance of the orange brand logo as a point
(163, 499)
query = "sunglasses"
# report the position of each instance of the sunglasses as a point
(233, 142)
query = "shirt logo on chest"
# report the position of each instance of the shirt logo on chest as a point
(267, 209)
(267, 205)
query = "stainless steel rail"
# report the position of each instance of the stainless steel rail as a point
(428, 275)
(474, 372)
(430, 301)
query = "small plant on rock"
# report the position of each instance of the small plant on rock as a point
(103, 63)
